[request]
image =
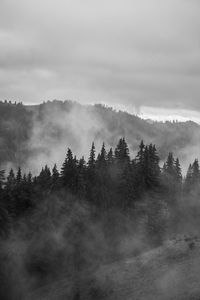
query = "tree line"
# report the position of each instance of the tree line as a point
(107, 180)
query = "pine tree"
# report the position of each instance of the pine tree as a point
(178, 173)
(195, 172)
(140, 155)
(19, 176)
(55, 177)
(188, 180)
(172, 180)
(110, 157)
(170, 169)
(147, 170)
(139, 176)
(11, 180)
(91, 160)
(43, 182)
(192, 180)
(151, 169)
(69, 172)
(30, 177)
(101, 159)
(122, 152)
(92, 177)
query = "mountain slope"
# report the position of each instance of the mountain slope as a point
(165, 273)
(34, 135)
(168, 272)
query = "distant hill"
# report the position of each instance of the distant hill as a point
(34, 135)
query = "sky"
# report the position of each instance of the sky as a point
(143, 55)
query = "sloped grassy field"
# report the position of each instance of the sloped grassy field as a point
(168, 272)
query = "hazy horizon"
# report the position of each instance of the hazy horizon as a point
(145, 112)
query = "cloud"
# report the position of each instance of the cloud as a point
(139, 53)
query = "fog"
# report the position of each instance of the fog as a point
(58, 125)
(57, 251)
(61, 250)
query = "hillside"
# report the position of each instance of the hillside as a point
(100, 228)
(34, 135)
(167, 272)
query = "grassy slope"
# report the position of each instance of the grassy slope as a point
(168, 272)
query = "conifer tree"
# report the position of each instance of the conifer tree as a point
(43, 182)
(110, 157)
(55, 177)
(192, 180)
(29, 178)
(19, 176)
(122, 152)
(140, 155)
(172, 180)
(92, 177)
(91, 160)
(11, 180)
(195, 171)
(178, 172)
(101, 159)
(170, 169)
(147, 169)
(69, 172)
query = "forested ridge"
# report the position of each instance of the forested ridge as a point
(31, 136)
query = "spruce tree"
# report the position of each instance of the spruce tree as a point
(91, 160)
(92, 177)
(122, 152)
(11, 180)
(55, 177)
(101, 159)
(69, 172)
(19, 176)
(172, 180)
(110, 157)
(195, 171)
(178, 173)
(170, 169)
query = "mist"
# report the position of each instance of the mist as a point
(101, 230)
(99, 191)
(57, 125)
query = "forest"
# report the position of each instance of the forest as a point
(63, 224)
(109, 181)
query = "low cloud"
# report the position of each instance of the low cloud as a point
(131, 53)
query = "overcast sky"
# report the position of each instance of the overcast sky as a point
(140, 54)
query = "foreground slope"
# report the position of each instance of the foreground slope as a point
(168, 272)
